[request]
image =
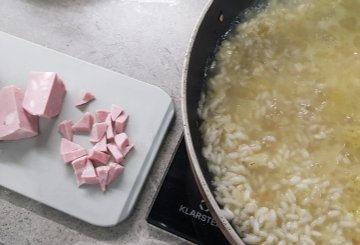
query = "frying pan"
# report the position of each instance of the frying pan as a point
(216, 22)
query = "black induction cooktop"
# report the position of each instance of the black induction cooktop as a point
(179, 207)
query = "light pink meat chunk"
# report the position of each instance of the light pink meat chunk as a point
(101, 145)
(120, 123)
(67, 146)
(101, 115)
(115, 152)
(79, 166)
(115, 111)
(99, 157)
(73, 155)
(44, 94)
(84, 125)
(71, 151)
(65, 129)
(84, 98)
(88, 175)
(102, 174)
(127, 149)
(98, 131)
(115, 171)
(109, 131)
(122, 140)
(15, 122)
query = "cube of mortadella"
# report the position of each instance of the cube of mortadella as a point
(89, 175)
(84, 124)
(98, 131)
(102, 174)
(65, 129)
(120, 123)
(84, 98)
(101, 145)
(79, 166)
(71, 151)
(115, 171)
(15, 122)
(44, 94)
(101, 115)
(67, 146)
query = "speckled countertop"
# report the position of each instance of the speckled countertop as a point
(144, 39)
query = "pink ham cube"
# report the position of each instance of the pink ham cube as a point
(109, 131)
(102, 174)
(126, 149)
(67, 146)
(99, 157)
(79, 166)
(98, 131)
(101, 115)
(15, 122)
(115, 152)
(88, 175)
(65, 129)
(44, 94)
(120, 123)
(122, 140)
(84, 125)
(73, 155)
(115, 171)
(71, 151)
(84, 98)
(101, 145)
(115, 111)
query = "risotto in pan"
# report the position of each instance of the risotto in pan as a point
(281, 124)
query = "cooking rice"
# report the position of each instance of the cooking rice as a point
(281, 124)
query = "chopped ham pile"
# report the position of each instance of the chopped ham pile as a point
(104, 162)
(20, 111)
(43, 97)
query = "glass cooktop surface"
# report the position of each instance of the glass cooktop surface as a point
(179, 207)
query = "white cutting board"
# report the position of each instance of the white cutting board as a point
(34, 168)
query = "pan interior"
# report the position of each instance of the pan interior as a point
(281, 123)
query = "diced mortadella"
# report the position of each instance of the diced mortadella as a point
(98, 131)
(89, 174)
(120, 123)
(85, 124)
(65, 129)
(99, 157)
(126, 149)
(115, 171)
(101, 145)
(115, 111)
(122, 140)
(100, 115)
(115, 152)
(15, 122)
(73, 155)
(79, 166)
(84, 98)
(68, 146)
(44, 94)
(109, 131)
(102, 174)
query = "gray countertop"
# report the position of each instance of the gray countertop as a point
(144, 39)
